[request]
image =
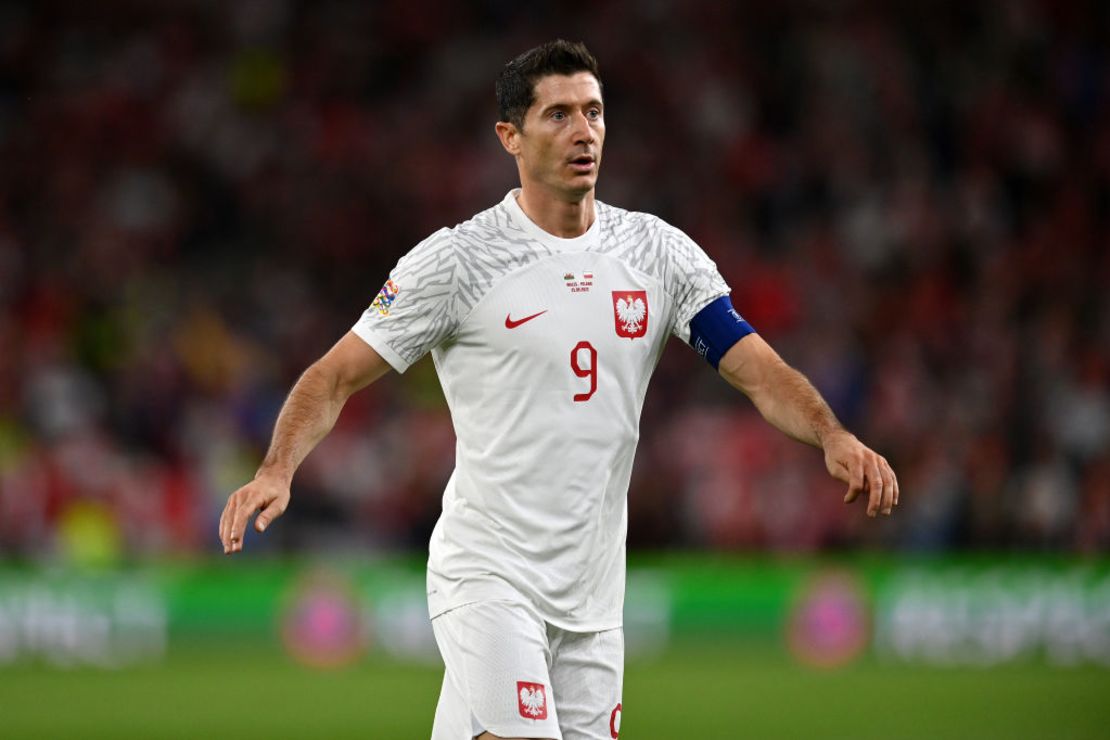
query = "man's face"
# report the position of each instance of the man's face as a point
(560, 146)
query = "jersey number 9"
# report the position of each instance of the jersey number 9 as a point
(584, 372)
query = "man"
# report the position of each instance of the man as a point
(545, 316)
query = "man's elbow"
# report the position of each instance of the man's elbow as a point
(326, 382)
(750, 366)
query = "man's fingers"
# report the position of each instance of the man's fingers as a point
(889, 471)
(882, 486)
(270, 513)
(855, 482)
(233, 521)
(256, 496)
(875, 488)
(865, 472)
(243, 512)
(888, 485)
(225, 523)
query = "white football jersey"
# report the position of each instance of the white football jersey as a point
(544, 347)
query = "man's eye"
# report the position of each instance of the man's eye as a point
(594, 113)
(558, 115)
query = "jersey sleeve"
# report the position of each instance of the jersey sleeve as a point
(416, 308)
(693, 279)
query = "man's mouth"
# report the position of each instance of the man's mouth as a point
(583, 163)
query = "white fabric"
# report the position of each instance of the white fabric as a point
(536, 505)
(490, 648)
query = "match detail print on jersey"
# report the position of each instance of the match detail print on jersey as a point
(580, 284)
(630, 312)
(533, 700)
(511, 323)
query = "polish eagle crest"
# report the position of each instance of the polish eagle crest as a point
(630, 310)
(632, 313)
(532, 701)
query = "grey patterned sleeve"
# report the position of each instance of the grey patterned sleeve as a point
(692, 279)
(416, 308)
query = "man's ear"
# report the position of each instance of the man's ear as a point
(509, 135)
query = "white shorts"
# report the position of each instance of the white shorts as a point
(511, 673)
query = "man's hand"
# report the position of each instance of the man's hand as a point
(863, 470)
(266, 494)
(306, 417)
(792, 404)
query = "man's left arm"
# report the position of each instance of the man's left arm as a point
(789, 401)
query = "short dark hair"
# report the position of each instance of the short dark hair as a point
(516, 85)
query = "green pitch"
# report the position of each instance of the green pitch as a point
(695, 691)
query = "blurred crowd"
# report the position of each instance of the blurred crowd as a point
(911, 202)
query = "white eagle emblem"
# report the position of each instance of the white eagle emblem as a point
(533, 701)
(631, 312)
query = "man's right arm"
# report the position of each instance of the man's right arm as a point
(306, 417)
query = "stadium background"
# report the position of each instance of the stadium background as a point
(910, 201)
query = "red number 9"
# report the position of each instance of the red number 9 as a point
(587, 372)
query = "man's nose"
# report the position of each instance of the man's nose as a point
(583, 131)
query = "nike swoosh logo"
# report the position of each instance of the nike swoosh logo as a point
(510, 324)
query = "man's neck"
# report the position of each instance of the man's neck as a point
(562, 218)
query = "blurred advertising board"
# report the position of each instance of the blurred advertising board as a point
(822, 612)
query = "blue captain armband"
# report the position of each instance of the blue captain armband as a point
(716, 328)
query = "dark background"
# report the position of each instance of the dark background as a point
(910, 201)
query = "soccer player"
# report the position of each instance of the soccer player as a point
(545, 316)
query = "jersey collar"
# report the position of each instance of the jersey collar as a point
(557, 243)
